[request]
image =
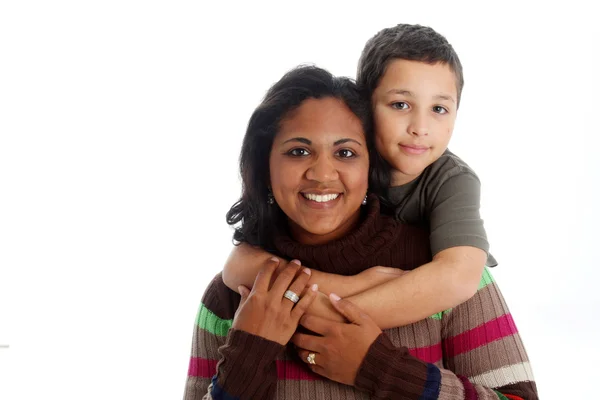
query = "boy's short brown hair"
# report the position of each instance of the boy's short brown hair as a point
(406, 42)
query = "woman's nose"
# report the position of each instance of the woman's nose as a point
(322, 170)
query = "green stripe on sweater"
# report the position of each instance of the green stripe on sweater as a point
(486, 279)
(208, 321)
(501, 396)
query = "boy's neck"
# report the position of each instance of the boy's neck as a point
(399, 178)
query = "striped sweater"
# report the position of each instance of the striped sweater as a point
(472, 351)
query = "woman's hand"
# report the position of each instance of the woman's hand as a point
(265, 311)
(322, 307)
(340, 350)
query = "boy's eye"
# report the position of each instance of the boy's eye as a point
(400, 105)
(346, 153)
(440, 110)
(298, 152)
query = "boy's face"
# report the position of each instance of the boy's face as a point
(414, 108)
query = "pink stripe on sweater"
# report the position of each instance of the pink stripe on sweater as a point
(292, 370)
(204, 368)
(430, 354)
(489, 332)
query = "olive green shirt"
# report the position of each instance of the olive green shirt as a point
(447, 196)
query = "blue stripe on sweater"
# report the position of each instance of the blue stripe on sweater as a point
(431, 390)
(218, 393)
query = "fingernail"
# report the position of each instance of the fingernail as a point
(334, 297)
(306, 271)
(275, 259)
(297, 262)
(314, 287)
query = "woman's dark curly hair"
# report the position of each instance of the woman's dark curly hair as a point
(253, 218)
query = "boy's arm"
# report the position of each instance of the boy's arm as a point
(449, 280)
(243, 265)
(245, 261)
(391, 300)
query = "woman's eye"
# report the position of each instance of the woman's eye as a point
(440, 110)
(346, 153)
(299, 152)
(400, 105)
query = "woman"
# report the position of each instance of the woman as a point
(305, 166)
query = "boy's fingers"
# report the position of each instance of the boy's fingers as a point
(263, 279)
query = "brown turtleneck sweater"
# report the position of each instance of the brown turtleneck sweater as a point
(470, 352)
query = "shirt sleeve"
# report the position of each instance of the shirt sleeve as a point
(454, 217)
(481, 361)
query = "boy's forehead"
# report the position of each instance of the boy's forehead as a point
(410, 77)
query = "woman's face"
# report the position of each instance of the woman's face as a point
(319, 170)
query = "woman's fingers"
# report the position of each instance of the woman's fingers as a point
(263, 279)
(297, 287)
(305, 301)
(305, 341)
(284, 280)
(310, 357)
(316, 324)
(244, 292)
(350, 311)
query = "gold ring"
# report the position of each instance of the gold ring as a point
(311, 358)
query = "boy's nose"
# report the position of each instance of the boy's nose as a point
(418, 125)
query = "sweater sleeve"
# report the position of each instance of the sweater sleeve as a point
(247, 368)
(484, 358)
(228, 363)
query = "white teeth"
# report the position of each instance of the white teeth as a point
(320, 198)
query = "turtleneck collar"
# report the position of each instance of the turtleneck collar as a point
(350, 254)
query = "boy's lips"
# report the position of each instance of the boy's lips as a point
(413, 149)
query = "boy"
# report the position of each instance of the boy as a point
(414, 80)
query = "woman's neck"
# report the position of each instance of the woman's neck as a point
(304, 237)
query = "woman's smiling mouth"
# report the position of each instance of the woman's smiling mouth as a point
(320, 201)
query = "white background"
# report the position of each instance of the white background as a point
(121, 124)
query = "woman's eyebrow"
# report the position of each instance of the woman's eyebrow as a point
(342, 141)
(308, 142)
(298, 139)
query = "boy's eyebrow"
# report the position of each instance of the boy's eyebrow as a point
(445, 97)
(410, 94)
(401, 91)
(308, 142)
